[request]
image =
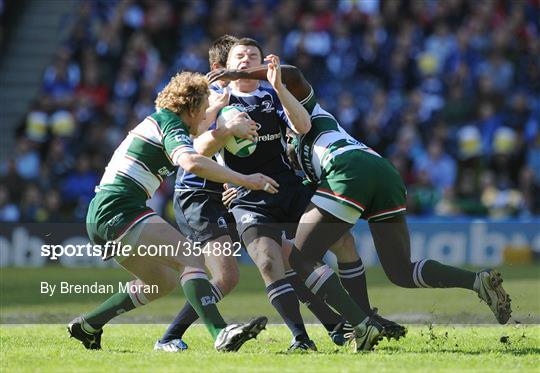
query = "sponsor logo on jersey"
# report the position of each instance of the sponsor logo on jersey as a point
(182, 138)
(267, 106)
(247, 218)
(221, 222)
(258, 126)
(270, 137)
(248, 108)
(305, 163)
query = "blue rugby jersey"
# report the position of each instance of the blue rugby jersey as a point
(270, 156)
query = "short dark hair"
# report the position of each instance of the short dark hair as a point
(248, 41)
(219, 50)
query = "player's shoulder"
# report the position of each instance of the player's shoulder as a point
(266, 88)
(168, 121)
(266, 85)
(215, 87)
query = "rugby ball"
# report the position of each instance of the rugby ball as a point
(235, 145)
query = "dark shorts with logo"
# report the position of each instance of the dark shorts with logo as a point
(201, 216)
(271, 214)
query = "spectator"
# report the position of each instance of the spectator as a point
(347, 112)
(52, 206)
(78, 185)
(506, 161)
(401, 76)
(500, 202)
(61, 79)
(499, 69)
(31, 205)
(439, 167)
(9, 212)
(26, 158)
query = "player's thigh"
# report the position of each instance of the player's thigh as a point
(392, 242)
(318, 231)
(159, 240)
(152, 272)
(222, 264)
(266, 253)
(200, 215)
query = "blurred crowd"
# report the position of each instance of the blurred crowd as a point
(448, 90)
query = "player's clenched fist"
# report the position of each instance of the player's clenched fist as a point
(243, 126)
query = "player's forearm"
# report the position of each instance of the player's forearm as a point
(298, 116)
(288, 73)
(211, 115)
(291, 76)
(211, 142)
(206, 168)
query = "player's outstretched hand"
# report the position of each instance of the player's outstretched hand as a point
(260, 182)
(242, 126)
(219, 100)
(228, 195)
(274, 71)
(222, 74)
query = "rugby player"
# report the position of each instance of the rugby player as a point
(202, 218)
(354, 182)
(118, 213)
(260, 220)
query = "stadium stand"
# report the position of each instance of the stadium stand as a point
(449, 91)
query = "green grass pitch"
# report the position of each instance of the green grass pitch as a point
(463, 335)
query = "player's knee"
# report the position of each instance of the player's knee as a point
(266, 265)
(264, 256)
(345, 248)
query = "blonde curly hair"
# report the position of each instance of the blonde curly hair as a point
(184, 93)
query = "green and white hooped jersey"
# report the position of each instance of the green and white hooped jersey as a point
(149, 153)
(326, 140)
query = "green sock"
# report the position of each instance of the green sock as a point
(437, 275)
(199, 294)
(325, 283)
(117, 304)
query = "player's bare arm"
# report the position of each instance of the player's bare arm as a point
(292, 77)
(206, 168)
(216, 102)
(297, 114)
